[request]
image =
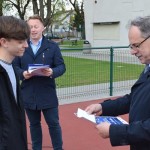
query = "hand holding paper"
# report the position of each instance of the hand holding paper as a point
(94, 109)
(38, 69)
(99, 119)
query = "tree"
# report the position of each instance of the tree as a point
(79, 16)
(45, 8)
(1, 7)
(35, 7)
(20, 5)
(48, 9)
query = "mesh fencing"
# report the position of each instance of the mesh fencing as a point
(100, 73)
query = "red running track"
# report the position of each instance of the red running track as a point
(78, 134)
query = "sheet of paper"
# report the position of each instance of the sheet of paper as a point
(36, 69)
(83, 114)
(33, 67)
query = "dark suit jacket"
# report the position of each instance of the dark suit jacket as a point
(137, 104)
(12, 117)
(40, 92)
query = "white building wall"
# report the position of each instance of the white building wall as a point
(88, 8)
(116, 11)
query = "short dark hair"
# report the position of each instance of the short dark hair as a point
(13, 28)
(36, 17)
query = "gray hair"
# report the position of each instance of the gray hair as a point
(143, 23)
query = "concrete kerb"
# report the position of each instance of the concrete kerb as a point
(92, 92)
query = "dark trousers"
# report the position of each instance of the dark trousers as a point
(52, 119)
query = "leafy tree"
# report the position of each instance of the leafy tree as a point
(49, 10)
(43, 8)
(79, 16)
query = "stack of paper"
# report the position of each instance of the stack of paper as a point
(99, 119)
(36, 69)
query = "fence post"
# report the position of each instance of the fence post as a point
(111, 71)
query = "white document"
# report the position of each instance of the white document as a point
(83, 114)
(36, 69)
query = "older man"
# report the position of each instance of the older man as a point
(137, 103)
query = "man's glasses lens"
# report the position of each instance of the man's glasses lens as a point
(135, 46)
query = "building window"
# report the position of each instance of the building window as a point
(106, 31)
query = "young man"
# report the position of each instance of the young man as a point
(137, 103)
(39, 92)
(13, 35)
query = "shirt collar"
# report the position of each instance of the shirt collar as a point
(39, 42)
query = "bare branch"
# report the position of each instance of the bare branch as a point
(25, 6)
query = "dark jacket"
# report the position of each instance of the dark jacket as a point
(12, 117)
(40, 92)
(137, 104)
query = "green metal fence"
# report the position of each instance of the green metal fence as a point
(103, 71)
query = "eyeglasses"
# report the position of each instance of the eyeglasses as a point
(136, 46)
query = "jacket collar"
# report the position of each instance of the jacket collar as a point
(44, 45)
(143, 78)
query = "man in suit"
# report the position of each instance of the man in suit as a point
(13, 41)
(39, 92)
(137, 103)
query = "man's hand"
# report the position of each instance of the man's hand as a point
(94, 109)
(103, 129)
(27, 75)
(47, 72)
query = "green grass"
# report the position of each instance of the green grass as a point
(81, 71)
(67, 44)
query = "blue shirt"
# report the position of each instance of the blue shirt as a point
(36, 47)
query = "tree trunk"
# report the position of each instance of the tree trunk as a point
(47, 20)
(1, 7)
(41, 8)
(35, 7)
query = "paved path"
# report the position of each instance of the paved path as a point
(90, 92)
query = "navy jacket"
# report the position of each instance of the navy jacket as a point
(137, 104)
(13, 134)
(40, 92)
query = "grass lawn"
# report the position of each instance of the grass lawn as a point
(81, 71)
(67, 44)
